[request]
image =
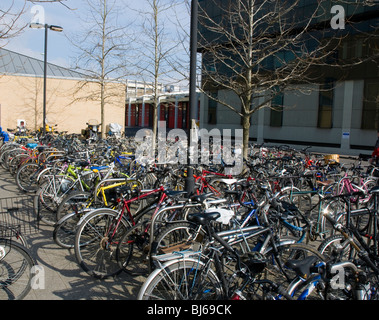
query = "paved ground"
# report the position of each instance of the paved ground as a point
(63, 278)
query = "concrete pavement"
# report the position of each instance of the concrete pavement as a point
(61, 277)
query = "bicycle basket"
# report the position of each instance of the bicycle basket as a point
(17, 215)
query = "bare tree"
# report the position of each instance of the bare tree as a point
(155, 47)
(102, 46)
(257, 48)
(32, 100)
(11, 23)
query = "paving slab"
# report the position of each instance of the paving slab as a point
(61, 276)
(63, 279)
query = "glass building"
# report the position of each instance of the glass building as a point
(335, 110)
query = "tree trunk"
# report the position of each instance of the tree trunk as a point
(155, 124)
(246, 134)
(102, 107)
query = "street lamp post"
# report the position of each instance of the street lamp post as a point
(193, 100)
(53, 28)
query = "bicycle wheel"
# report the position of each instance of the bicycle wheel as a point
(15, 163)
(176, 236)
(16, 270)
(276, 268)
(96, 241)
(133, 249)
(48, 197)
(75, 201)
(69, 213)
(336, 208)
(337, 244)
(26, 177)
(187, 279)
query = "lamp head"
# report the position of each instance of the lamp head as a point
(35, 25)
(56, 28)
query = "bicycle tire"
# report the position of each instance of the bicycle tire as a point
(16, 162)
(16, 265)
(182, 280)
(73, 202)
(287, 251)
(175, 236)
(330, 245)
(93, 252)
(26, 177)
(48, 197)
(64, 232)
(132, 252)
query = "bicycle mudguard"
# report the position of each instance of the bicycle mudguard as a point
(282, 242)
(95, 210)
(162, 268)
(69, 215)
(178, 256)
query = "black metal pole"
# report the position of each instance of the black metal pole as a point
(44, 81)
(193, 100)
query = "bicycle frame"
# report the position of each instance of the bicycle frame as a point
(125, 213)
(327, 270)
(205, 184)
(320, 192)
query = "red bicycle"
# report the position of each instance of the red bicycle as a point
(101, 231)
(214, 182)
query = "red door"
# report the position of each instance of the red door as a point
(171, 116)
(147, 115)
(162, 116)
(132, 115)
(140, 115)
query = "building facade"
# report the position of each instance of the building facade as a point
(71, 98)
(173, 109)
(339, 113)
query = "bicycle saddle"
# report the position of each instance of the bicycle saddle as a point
(121, 190)
(302, 267)
(201, 197)
(203, 218)
(82, 163)
(232, 192)
(174, 194)
(244, 184)
(324, 183)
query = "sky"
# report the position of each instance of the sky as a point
(31, 41)
(68, 15)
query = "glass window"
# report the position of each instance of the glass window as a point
(370, 112)
(325, 106)
(276, 113)
(212, 108)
